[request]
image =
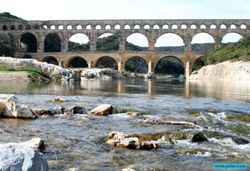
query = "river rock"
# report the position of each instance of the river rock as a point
(102, 110)
(199, 137)
(120, 139)
(22, 156)
(11, 107)
(75, 110)
(58, 100)
(128, 169)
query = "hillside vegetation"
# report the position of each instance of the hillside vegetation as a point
(6, 17)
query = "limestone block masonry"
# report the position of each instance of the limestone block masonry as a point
(152, 29)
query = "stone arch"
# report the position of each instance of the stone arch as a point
(223, 26)
(36, 27)
(4, 27)
(88, 27)
(52, 27)
(169, 42)
(117, 27)
(79, 27)
(106, 62)
(193, 26)
(165, 26)
(213, 26)
(20, 27)
(28, 42)
(243, 26)
(12, 27)
(69, 27)
(78, 42)
(204, 38)
(137, 26)
(50, 60)
(156, 27)
(107, 27)
(127, 27)
(28, 27)
(138, 39)
(169, 65)
(61, 27)
(45, 27)
(203, 27)
(231, 37)
(174, 26)
(52, 43)
(107, 42)
(136, 64)
(77, 62)
(146, 27)
(98, 27)
(233, 26)
(183, 26)
(198, 63)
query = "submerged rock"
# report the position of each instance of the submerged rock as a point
(11, 107)
(199, 137)
(119, 139)
(22, 156)
(102, 110)
(57, 100)
(75, 110)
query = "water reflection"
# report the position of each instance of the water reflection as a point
(202, 88)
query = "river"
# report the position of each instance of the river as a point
(78, 141)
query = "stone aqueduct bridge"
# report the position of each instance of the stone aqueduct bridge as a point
(152, 29)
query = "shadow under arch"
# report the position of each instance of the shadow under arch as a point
(52, 43)
(50, 60)
(28, 42)
(198, 63)
(77, 62)
(169, 65)
(136, 64)
(106, 62)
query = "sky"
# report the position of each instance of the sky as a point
(127, 9)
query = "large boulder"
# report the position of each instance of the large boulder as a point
(102, 110)
(22, 156)
(10, 106)
(120, 139)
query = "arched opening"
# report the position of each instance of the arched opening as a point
(183, 26)
(107, 42)
(78, 42)
(213, 26)
(165, 26)
(137, 42)
(88, 27)
(28, 43)
(137, 26)
(223, 26)
(5, 27)
(127, 27)
(45, 27)
(203, 26)
(117, 27)
(243, 26)
(20, 27)
(169, 42)
(137, 65)
(60, 27)
(146, 27)
(28, 27)
(12, 27)
(156, 27)
(50, 60)
(79, 27)
(198, 63)
(78, 62)
(202, 43)
(69, 27)
(193, 27)
(107, 27)
(233, 26)
(52, 27)
(106, 62)
(98, 27)
(231, 38)
(52, 43)
(169, 65)
(36, 27)
(174, 26)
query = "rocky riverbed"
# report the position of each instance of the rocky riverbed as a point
(84, 133)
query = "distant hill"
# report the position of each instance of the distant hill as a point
(7, 17)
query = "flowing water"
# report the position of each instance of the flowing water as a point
(222, 109)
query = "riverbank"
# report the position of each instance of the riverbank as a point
(228, 70)
(33, 66)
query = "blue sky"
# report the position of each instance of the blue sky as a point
(126, 9)
(129, 9)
